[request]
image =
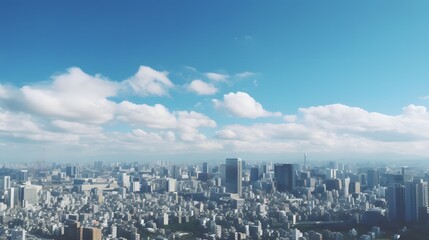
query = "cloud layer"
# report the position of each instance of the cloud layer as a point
(91, 112)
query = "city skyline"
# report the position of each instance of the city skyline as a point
(193, 81)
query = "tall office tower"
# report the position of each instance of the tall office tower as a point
(243, 165)
(73, 171)
(233, 175)
(416, 197)
(363, 179)
(205, 167)
(373, 178)
(222, 170)
(331, 173)
(305, 166)
(4, 183)
(354, 187)
(395, 196)
(171, 185)
(72, 230)
(333, 184)
(406, 174)
(29, 195)
(333, 165)
(176, 172)
(18, 234)
(254, 174)
(11, 198)
(23, 176)
(284, 175)
(90, 233)
(124, 180)
(346, 184)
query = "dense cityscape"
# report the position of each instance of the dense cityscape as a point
(228, 200)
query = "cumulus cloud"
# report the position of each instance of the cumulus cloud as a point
(159, 117)
(86, 111)
(241, 104)
(23, 126)
(202, 88)
(150, 82)
(217, 77)
(156, 116)
(336, 128)
(73, 95)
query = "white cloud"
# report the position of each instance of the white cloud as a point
(156, 116)
(290, 118)
(202, 88)
(150, 82)
(23, 126)
(159, 117)
(241, 104)
(75, 127)
(245, 74)
(75, 110)
(73, 95)
(217, 77)
(336, 129)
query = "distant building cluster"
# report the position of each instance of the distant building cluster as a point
(233, 199)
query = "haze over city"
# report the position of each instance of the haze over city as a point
(173, 81)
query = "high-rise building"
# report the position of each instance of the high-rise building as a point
(346, 184)
(254, 174)
(29, 195)
(373, 178)
(171, 185)
(333, 184)
(284, 175)
(72, 230)
(395, 196)
(416, 197)
(406, 174)
(233, 175)
(4, 183)
(205, 167)
(354, 187)
(23, 176)
(73, 171)
(90, 233)
(11, 198)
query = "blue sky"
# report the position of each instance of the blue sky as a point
(331, 76)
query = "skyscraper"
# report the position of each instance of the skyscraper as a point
(416, 196)
(73, 171)
(4, 183)
(233, 175)
(254, 174)
(205, 167)
(23, 176)
(373, 178)
(395, 196)
(90, 233)
(284, 176)
(406, 174)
